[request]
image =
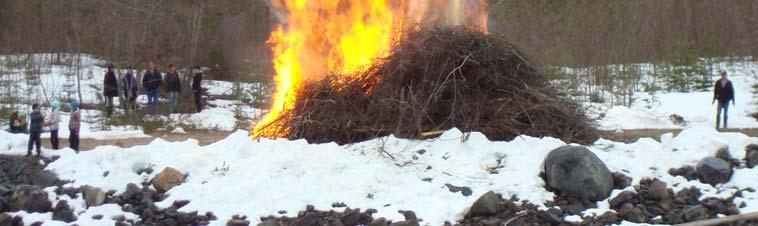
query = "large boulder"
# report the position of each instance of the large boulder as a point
(31, 199)
(93, 196)
(751, 155)
(714, 170)
(167, 179)
(577, 172)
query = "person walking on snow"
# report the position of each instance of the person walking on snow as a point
(151, 82)
(73, 126)
(130, 91)
(174, 87)
(110, 89)
(723, 91)
(54, 123)
(36, 120)
(197, 89)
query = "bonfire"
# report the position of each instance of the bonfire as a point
(420, 81)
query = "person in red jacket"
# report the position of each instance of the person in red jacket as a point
(723, 91)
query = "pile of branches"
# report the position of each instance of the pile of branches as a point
(435, 80)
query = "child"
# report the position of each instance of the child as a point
(54, 123)
(73, 126)
(36, 119)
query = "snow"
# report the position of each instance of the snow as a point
(387, 173)
(221, 119)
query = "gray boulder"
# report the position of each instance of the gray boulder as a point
(269, 223)
(577, 172)
(93, 196)
(714, 170)
(486, 205)
(751, 155)
(30, 199)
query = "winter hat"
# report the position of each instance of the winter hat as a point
(723, 72)
(55, 104)
(74, 105)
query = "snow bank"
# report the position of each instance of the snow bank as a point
(387, 174)
(210, 119)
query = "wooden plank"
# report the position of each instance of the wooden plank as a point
(723, 220)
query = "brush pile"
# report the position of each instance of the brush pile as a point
(432, 81)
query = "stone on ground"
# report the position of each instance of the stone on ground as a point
(31, 199)
(714, 170)
(577, 172)
(167, 179)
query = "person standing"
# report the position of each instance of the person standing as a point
(130, 91)
(74, 124)
(197, 89)
(54, 123)
(174, 87)
(723, 91)
(151, 82)
(36, 119)
(110, 89)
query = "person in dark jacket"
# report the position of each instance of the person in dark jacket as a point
(129, 90)
(151, 82)
(197, 89)
(74, 123)
(36, 120)
(174, 87)
(110, 89)
(723, 91)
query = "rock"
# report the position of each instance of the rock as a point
(31, 199)
(621, 181)
(490, 222)
(630, 213)
(465, 191)
(677, 119)
(310, 219)
(405, 223)
(310, 208)
(408, 215)
(93, 196)
(180, 203)
(43, 178)
(238, 222)
(658, 191)
(688, 172)
(119, 218)
(351, 218)
(714, 170)
(269, 223)
(97, 216)
(121, 223)
(621, 198)
(554, 216)
(131, 191)
(695, 213)
(167, 179)
(378, 222)
(751, 155)
(486, 205)
(577, 172)
(62, 212)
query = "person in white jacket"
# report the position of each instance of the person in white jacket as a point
(54, 123)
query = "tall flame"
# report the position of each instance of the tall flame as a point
(316, 37)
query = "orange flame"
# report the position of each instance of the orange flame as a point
(317, 37)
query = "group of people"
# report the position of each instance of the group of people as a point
(152, 81)
(37, 121)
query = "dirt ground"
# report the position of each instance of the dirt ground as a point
(203, 137)
(209, 137)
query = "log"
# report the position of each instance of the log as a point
(723, 220)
